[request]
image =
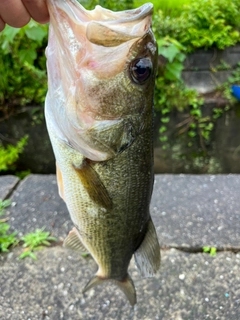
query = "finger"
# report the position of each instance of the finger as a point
(2, 24)
(14, 13)
(37, 9)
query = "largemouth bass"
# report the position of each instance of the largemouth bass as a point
(101, 71)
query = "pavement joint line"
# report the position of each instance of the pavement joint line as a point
(11, 191)
(195, 250)
(190, 250)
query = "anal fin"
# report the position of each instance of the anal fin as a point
(73, 242)
(147, 256)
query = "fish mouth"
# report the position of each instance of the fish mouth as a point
(133, 23)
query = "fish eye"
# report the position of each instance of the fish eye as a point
(140, 70)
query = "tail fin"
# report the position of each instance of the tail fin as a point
(125, 285)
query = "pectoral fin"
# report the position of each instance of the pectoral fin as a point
(147, 256)
(73, 242)
(94, 186)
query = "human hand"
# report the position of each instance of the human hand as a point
(17, 13)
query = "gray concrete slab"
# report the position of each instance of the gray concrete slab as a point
(7, 184)
(193, 211)
(189, 211)
(36, 204)
(188, 287)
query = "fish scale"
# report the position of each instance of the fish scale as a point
(99, 117)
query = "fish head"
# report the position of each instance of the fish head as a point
(101, 70)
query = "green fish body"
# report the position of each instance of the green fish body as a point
(101, 69)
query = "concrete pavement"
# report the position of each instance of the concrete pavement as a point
(189, 212)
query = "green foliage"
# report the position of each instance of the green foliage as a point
(31, 241)
(171, 93)
(170, 90)
(6, 239)
(109, 4)
(22, 174)
(35, 241)
(4, 204)
(10, 154)
(22, 64)
(226, 87)
(172, 50)
(211, 250)
(202, 24)
(197, 24)
(169, 7)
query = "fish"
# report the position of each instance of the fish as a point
(99, 112)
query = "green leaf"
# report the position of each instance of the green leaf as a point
(7, 36)
(174, 70)
(193, 125)
(196, 112)
(169, 52)
(163, 138)
(85, 254)
(28, 55)
(28, 253)
(165, 119)
(209, 127)
(165, 110)
(36, 239)
(10, 154)
(181, 56)
(161, 44)
(213, 251)
(4, 204)
(162, 129)
(192, 134)
(36, 33)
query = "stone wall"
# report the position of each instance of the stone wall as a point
(205, 70)
(223, 153)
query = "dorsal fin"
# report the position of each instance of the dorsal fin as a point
(101, 35)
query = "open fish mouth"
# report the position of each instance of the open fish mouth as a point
(129, 22)
(81, 28)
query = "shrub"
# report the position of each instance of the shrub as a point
(202, 23)
(10, 154)
(23, 65)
